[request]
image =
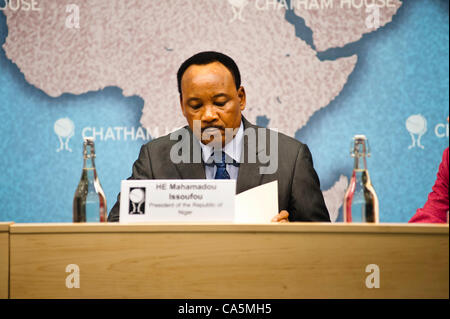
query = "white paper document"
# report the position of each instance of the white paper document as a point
(257, 205)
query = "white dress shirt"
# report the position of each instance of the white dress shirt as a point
(232, 149)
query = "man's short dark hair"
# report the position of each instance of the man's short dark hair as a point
(208, 57)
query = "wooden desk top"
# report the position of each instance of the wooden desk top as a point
(4, 226)
(220, 227)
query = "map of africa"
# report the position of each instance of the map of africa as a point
(138, 46)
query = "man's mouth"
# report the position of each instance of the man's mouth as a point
(212, 130)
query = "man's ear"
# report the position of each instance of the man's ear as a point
(242, 98)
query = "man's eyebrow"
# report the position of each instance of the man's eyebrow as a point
(220, 95)
(193, 99)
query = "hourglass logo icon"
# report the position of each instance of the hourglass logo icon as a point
(64, 129)
(237, 6)
(416, 125)
(137, 198)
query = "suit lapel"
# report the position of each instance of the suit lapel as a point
(249, 175)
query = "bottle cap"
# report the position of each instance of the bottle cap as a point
(360, 146)
(89, 141)
(359, 137)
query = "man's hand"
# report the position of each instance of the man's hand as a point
(282, 217)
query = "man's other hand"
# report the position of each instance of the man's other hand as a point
(282, 217)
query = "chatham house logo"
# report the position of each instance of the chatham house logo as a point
(416, 125)
(237, 6)
(65, 129)
(137, 200)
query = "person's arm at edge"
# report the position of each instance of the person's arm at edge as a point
(436, 208)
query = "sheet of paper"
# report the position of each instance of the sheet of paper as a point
(257, 205)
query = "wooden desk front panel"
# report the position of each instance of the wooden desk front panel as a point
(4, 260)
(284, 261)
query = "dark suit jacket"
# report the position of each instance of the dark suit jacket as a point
(298, 184)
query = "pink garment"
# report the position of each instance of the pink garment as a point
(436, 208)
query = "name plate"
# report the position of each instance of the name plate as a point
(177, 200)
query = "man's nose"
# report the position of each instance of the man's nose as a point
(210, 114)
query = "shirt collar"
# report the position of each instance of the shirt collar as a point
(233, 149)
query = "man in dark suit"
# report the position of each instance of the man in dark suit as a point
(222, 144)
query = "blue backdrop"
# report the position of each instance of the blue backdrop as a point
(402, 69)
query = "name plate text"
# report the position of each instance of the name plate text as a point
(177, 200)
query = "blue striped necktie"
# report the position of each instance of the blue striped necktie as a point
(221, 172)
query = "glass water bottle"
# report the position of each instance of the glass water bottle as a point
(89, 202)
(360, 201)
